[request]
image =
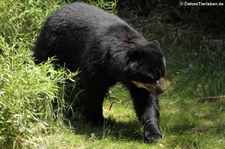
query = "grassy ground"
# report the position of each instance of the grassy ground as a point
(27, 119)
(185, 123)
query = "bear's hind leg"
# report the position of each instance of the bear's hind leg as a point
(93, 103)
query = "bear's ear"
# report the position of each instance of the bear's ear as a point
(155, 43)
(134, 54)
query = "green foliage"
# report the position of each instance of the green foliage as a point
(108, 5)
(209, 19)
(27, 91)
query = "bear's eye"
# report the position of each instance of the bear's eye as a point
(160, 72)
(157, 74)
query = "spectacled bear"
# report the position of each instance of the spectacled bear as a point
(106, 50)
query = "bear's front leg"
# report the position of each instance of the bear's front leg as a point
(150, 119)
(147, 110)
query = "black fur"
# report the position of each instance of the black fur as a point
(106, 50)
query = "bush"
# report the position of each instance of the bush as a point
(27, 91)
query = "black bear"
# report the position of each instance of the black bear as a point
(106, 50)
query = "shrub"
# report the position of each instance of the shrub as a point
(27, 91)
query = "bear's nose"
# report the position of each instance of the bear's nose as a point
(161, 89)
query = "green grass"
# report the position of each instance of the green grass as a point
(185, 123)
(27, 91)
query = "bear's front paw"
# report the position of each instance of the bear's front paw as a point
(149, 137)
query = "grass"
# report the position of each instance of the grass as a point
(27, 91)
(185, 123)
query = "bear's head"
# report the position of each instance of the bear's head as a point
(147, 67)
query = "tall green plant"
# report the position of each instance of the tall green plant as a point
(27, 91)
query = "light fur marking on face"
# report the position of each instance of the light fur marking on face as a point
(155, 88)
(141, 85)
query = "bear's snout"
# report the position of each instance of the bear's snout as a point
(155, 88)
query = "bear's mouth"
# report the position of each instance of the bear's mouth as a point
(155, 88)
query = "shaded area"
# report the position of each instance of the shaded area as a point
(118, 126)
(211, 19)
(123, 131)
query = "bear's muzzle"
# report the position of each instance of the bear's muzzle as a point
(155, 88)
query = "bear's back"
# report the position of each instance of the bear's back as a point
(84, 14)
(79, 33)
